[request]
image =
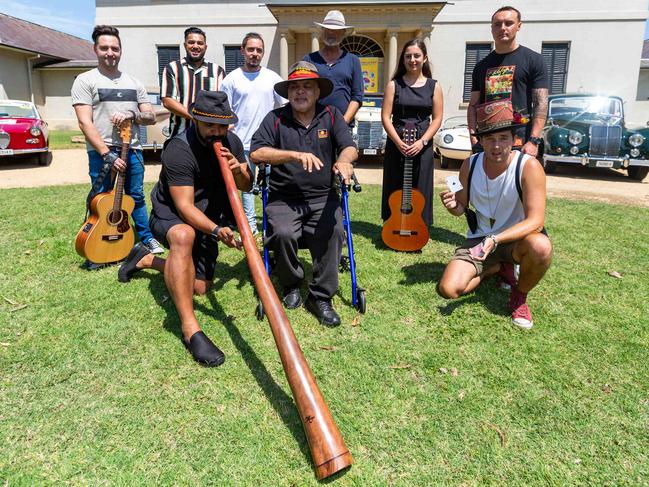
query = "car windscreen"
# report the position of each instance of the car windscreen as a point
(17, 110)
(576, 106)
(454, 122)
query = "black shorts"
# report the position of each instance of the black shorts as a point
(204, 252)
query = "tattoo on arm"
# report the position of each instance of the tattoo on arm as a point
(145, 118)
(540, 101)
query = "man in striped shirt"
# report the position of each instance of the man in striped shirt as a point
(181, 80)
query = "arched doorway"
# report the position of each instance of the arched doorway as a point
(371, 55)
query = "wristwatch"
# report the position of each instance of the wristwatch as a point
(424, 142)
(215, 232)
(535, 140)
(495, 241)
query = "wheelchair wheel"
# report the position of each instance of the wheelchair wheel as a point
(361, 305)
(259, 310)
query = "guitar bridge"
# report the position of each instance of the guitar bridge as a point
(405, 233)
(111, 238)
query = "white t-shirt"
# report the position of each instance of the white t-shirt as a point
(106, 96)
(251, 96)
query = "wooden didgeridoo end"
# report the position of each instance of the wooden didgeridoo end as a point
(334, 465)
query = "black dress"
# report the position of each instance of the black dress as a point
(410, 105)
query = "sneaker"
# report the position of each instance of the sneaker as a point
(507, 276)
(154, 246)
(521, 314)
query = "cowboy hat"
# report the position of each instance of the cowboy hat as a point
(335, 20)
(303, 70)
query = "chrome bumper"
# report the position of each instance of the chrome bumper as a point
(617, 162)
(18, 152)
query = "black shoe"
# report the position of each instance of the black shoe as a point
(203, 350)
(323, 310)
(292, 298)
(128, 268)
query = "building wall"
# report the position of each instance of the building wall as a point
(56, 105)
(14, 80)
(599, 62)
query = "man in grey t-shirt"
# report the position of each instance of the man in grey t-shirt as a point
(103, 98)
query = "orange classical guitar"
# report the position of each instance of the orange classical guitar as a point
(406, 230)
(107, 235)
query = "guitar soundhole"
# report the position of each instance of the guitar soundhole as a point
(406, 209)
(114, 217)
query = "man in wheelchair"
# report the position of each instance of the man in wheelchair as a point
(306, 145)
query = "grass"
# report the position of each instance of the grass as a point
(95, 387)
(61, 139)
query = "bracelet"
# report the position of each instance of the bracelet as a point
(215, 232)
(133, 113)
(495, 241)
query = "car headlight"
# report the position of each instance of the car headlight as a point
(575, 137)
(35, 131)
(636, 140)
(448, 138)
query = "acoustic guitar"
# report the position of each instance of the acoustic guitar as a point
(107, 235)
(406, 230)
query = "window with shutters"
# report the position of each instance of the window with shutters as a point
(166, 54)
(233, 58)
(474, 54)
(556, 60)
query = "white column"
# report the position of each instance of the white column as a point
(391, 41)
(315, 43)
(283, 55)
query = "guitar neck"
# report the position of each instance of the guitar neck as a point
(406, 197)
(119, 185)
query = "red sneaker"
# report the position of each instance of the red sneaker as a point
(521, 314)
(506, 276)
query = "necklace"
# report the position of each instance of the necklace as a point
(492, 219)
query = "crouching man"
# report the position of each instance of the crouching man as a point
(507, 190)
(191, 213)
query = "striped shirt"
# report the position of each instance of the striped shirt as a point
(181, 81)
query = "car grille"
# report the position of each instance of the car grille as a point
(605, 140)
(370, 135)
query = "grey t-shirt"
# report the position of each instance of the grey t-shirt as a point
(107, 96)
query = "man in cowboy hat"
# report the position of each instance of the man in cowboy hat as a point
(306, 144)
(507, 189)
(191, 213)
(341, 67)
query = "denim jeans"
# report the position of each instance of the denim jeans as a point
(133, 186)
(248, 198)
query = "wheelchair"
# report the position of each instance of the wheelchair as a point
(347, 262)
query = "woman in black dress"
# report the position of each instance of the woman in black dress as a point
(412, 95)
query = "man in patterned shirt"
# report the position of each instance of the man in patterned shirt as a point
(182, 79)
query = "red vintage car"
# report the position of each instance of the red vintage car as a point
(22, 131)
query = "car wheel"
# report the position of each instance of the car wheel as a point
(45, 158)
(638, 173)
(443, 162)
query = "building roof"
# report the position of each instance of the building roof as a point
(54, 46)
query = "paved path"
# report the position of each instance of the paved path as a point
(606, 185)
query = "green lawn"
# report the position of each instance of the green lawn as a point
(96, 388)
(61, 139)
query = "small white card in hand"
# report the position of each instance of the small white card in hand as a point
(453, 184)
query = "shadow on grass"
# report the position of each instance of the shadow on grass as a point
(488, 293)
(372, 232)
(279, 400)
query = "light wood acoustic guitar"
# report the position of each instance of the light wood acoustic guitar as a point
(406, 230)
(107, 235)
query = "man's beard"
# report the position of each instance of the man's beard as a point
(330, 42)
(194, 57)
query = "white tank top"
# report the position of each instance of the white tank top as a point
(496, 201)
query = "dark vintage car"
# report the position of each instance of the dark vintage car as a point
(23, 132)
(590, 130)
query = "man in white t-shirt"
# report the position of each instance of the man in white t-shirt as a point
(507, 189)
(251, 93)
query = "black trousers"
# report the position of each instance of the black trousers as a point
(320, 224)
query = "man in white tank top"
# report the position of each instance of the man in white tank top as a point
(507, 191)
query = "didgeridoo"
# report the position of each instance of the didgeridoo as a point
(328, 449)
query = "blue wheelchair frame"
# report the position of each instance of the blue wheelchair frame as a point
(347, 262)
